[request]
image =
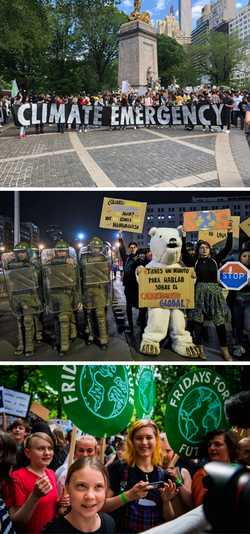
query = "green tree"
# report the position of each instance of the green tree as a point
(187, 72)
(171, 56)
(25, 34)
(219, 56)
(98, 23)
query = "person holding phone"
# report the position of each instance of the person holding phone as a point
(140, 491)
(35, 493)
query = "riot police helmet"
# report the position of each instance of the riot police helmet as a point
(21, 251)
(95, 245)
(61, 249)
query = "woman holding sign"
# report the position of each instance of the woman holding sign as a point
(209, 299)
(141, 492)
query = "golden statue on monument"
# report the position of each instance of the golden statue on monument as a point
(137, 15)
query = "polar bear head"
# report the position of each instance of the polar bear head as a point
(165, 245)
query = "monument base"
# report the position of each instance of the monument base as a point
(137, 54)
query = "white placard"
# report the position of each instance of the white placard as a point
(14, 402)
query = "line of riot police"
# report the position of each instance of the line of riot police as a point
(57, 287)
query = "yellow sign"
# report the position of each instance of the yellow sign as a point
(194, 221)
(245, 226)
(166, 288)
(119, 214)
(215, 237)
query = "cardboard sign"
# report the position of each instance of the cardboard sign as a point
(119, 214)
(193, 221)
(166, 288)
(245, 226)
(195, 406)
(144, 392)
(217, 237)
(14, 402)
(40, 411)
(98, 399)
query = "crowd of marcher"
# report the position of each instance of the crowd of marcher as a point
(126, 485)
(237, 103)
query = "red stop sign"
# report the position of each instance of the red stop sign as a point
(233, 275)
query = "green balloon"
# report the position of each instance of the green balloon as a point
(144, 392)
(195, 406)
(98, 399)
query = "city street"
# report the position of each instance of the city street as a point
(121, 346)
(146, 157)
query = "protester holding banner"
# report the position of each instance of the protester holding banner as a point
(35, 493)
(239, 303)
(209, 299)
(140, 491)
(220, 446)
(131, 261)
(87, 485)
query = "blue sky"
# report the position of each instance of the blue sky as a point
(160, 8)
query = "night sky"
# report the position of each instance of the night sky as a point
(79, 211)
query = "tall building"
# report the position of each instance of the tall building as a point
(28, 232)
(185, 16)
(170, 27)
(221, 11)
(240, 26)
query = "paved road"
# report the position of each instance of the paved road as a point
(146, 157)
(121, 346)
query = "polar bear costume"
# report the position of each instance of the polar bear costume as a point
(165, 245)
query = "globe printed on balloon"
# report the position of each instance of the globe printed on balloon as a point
(144, 392)
(98, 399)
(195, 407)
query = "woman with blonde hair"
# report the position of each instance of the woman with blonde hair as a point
(35, 492)
(140, 491)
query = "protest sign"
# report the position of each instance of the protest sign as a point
(166, 288)
(40, 411)
(125, 86)
(194, 221)
(14, 402)
(144, 392)
(99, 400)
(195, 406)
(30, 114)
(120, 214)
(218, 237)
(245, 226)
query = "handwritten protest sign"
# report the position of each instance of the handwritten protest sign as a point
(193, 221)
(216, 237)
(166, 288)
(120, 214)
(245, 226)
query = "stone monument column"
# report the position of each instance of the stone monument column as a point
(137, 54)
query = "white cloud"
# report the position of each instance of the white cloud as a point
(160, 5)
(196, 9)
(127, 3)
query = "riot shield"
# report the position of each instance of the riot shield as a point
(61, 281)
(22, 284)
(95, 274)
